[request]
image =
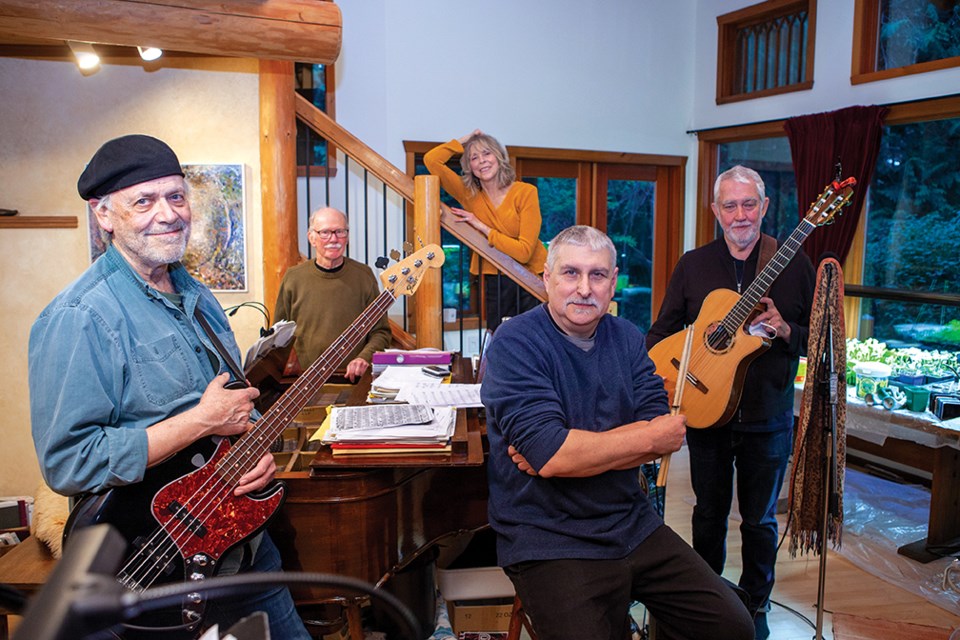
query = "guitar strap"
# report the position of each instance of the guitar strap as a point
(768, 247)
(228, 360)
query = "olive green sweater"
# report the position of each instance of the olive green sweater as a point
(325, 303)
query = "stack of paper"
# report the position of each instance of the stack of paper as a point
(391, 380)
(394, 428)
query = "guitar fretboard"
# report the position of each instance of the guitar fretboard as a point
(252, 446)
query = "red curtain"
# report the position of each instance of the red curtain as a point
(818, 142)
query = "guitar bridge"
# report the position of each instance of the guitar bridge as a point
(692, 379)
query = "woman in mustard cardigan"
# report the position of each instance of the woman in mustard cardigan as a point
(494, 203)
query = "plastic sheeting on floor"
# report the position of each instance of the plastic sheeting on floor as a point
(880, 516)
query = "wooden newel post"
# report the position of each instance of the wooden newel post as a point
(278, 174)
(428, 300)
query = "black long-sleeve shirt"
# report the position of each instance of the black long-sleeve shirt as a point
(768, 386)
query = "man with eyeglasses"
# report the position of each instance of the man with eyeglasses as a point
(758, 441)
(324, 296)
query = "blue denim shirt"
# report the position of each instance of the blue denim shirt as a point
(109, 357)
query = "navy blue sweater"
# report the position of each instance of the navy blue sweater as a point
(536, 388)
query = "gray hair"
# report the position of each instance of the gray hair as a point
(505, 176)
(743, 175)
(581, 236)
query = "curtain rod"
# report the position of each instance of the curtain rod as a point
(748, 124)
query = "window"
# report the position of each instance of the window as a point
(912, 234)
(898, 37)
(315, 83)
(765, 50)
(770, 157)
(902, 277)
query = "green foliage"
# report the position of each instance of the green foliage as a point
(913, 229)
(915, 31)
(909, 360)
(950, 334)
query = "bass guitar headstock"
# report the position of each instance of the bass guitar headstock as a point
(404, 277)
(828, 204)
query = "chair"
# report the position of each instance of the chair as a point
(519, 621)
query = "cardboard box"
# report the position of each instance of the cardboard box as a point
(476, 616)
(474, 583)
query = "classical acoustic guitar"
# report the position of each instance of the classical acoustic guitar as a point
(182, 519)
(722, 346)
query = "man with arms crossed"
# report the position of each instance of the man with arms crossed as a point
(574, 407)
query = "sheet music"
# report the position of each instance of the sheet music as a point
(438, 427)
(280, 336)
(444, 395)
(395, 377)
(350, 419)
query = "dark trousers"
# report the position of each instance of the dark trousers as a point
(760, 460)
(504, 297)
(579, 599)
(275, 601)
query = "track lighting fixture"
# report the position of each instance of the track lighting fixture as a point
(149, 54)
(87, 58)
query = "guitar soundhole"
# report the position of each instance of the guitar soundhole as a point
(718, 338)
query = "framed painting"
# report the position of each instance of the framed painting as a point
(216, 254)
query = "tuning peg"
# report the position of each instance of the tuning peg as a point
(408, 247)
(382, 262)
(395, 255)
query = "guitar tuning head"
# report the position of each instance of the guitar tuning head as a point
(408, 247)
(395, 255)
(382, 262)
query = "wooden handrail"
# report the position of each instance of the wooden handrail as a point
(355, 149)
(400, 182)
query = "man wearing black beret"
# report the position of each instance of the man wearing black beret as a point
(130, 391)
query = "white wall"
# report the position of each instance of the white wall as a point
(52, 121)
(550, 73)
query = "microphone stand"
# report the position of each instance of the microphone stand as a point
(831, 499)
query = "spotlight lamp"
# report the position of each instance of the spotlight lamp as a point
(87, 58)
(149, 54)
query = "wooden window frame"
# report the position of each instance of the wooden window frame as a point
(866, 37)
(727, 27)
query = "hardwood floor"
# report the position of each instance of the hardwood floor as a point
(848, 589)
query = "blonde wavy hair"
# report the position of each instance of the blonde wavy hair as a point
(505, 177)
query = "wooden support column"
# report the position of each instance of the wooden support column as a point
(278, 174)
(428, 305)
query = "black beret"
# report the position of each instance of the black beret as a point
(124, 162)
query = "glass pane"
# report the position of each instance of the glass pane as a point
(770, 157)
(311, 83)
(913, 229)
(915, 31)
(558, 204)
(630, 226)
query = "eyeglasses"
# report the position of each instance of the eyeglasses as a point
(326, 234)
(730, 206)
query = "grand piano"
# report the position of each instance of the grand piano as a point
(379, 518)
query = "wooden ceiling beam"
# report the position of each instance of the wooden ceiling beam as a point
(298, 30)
